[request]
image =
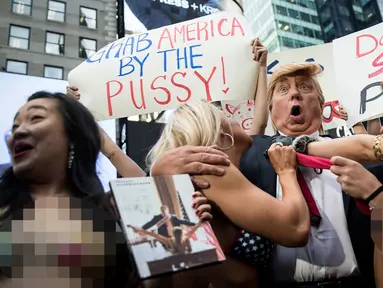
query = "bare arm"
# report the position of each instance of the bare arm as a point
(125, 166)
(260, 105)
(159, 237)
(373, 127)
(285, 222)
(357, 147)
(261, 112)
(192, 230)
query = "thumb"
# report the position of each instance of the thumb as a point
(340, 161)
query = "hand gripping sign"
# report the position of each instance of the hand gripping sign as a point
(206, 58)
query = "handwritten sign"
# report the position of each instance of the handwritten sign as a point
(206, 58)
(241, 112)
(320, 54)
(358, 60)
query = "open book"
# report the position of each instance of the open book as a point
(161, 227)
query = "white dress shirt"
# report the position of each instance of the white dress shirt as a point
(328, 253)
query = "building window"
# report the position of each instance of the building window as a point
(23, 7)
(287, 42)
(56, 11)
(280, 10)
(19, 37)
(284, 26)
(314, 19)
(294, 14)
(88, 17)
(54, 43)
(53, 72)
(18, 67)
(87, 47)
(305, 17)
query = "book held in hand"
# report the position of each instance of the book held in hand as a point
(162, 229)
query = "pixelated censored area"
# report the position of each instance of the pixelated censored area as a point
(376, 225)
(65, 239)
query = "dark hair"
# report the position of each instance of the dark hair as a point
(82, 131)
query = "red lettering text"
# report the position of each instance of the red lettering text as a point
(206, 82)
(179, 32)
(236, 25)
(165, 35)
(167, 101)
(358, 41)
(109, 94)
(187, 89)
(143, 105)
(201, 26)
(220, 23)
(190, 32)
(377, 63)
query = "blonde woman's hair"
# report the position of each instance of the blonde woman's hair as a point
(192, 124)
(307, 69)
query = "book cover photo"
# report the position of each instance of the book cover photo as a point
(162, 229)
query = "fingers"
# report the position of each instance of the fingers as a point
(205, 216)
(337, 170)
(208, 150)
(200, 184)
(198, 168)
(203, 212)
(72, 87)
(341, 161)
(205, 158)
(73, 91)
(198, 201)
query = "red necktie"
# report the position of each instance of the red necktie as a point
(319, 163)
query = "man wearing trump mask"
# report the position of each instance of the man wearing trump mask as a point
(339, 250)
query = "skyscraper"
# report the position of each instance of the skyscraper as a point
(342, 17)
(48, 38)
(282, 25)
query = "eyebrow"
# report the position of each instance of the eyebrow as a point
(37, 107)
(30, 108)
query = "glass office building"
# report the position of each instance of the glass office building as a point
(282, 25)
(342, 17)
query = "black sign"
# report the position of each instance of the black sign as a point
(158, 13)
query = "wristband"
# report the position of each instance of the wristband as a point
(300, 144)
(375, 194)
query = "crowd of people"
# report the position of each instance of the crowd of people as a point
(289, 210)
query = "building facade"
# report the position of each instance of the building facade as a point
(342, 17)
(282, 25)
(47, 38)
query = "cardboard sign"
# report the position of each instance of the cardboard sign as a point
(320, 54)
(161, 227)
(358, 60)
(206, 58)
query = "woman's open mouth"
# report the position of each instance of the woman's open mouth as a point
(21, 148)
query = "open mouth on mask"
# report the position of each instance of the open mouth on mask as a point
(296, 110)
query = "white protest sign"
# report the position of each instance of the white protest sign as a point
(358, 61)
(206, 58)
(320, 54)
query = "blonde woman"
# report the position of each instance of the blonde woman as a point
(240, 205)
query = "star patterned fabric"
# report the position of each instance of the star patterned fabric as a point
(252, 248)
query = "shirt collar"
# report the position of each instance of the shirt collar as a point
(315, 134)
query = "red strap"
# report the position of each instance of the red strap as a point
(323, 163)
(315, 217)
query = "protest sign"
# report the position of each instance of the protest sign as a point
(358, 61)
(206, 58)
(320, 54)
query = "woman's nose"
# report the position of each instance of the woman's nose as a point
(20, 132)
